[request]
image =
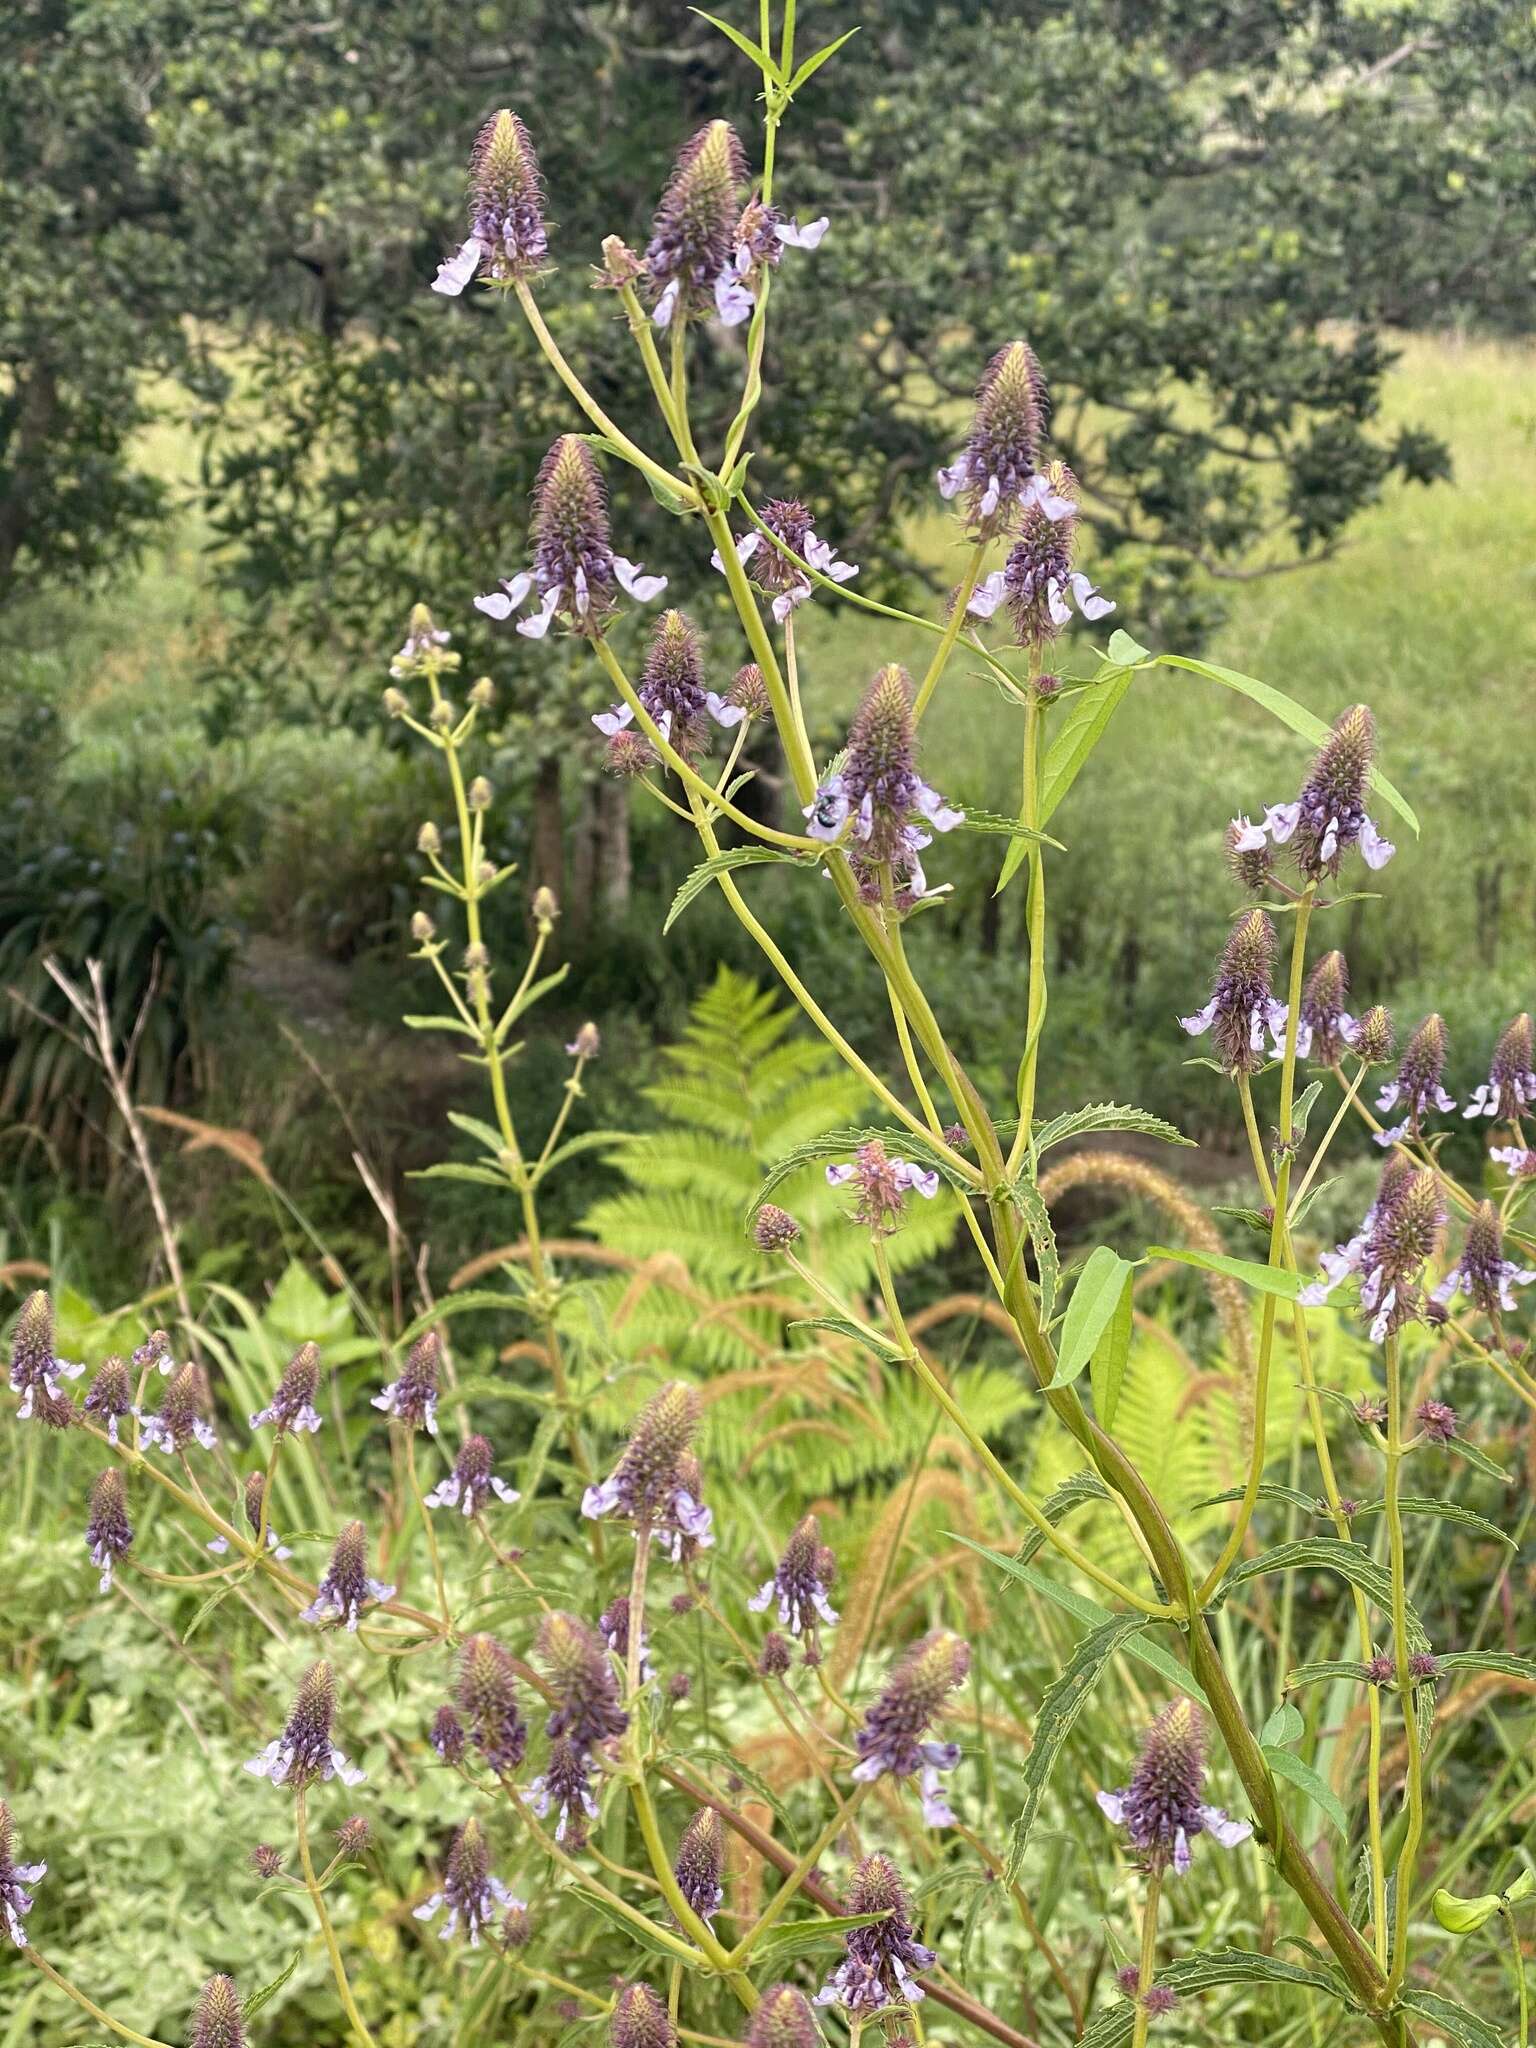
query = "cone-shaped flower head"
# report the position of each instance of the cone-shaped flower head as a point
(1161, 1808)
(575, 570)
(354, 1838)
(1482, 1273)
(1325, 1027)
(997, 472)
(749, 691)
(412, 1398)
(613, 1627)
(789, 521)
(640, 2020)
(254, 1494)
(346, 1588)
(1242, 1006)
(673, 692)
(915, 1693)
(1329, 817)
(1417, 1089)
(700, 1859)
(305, 1753)
(566, 1785)
(583, 1689)
(1251, 864)
(218, 2021)
(1375, 1039)
(1348, 1259)
(894, 812)
(183, 1415)
(1405, 1232)
(292, 1406)
(471, 1483)
(1039, 582)
(507, 238)
(16, 1880)
(108, 1531)
(693, 234)
(1437, 1419)
(881, 1184)
(800, 1581)
(471, 1894)
(485, 1693)
(110, 1397)
(775, 1657)
(647, 1486)
(446, 1735)
(1510, 1088)
(35, 1370)
(774, 1229)
(879, 1960)
(783, 2019)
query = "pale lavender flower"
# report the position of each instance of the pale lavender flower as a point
(879, 1960)
(1417, 1087)
(292, 1406)
(565, 1784)
(1329, 816)
(800, 1581)
(471, 1893)
(673, 691)
(1243, 1006)
(997, 472)
(1510, 1089)
(423, 637)
(1518, 1161)
(304, 1754)
(1482, 1273)
(471, 1482)
(110, 1398)
(916, 1691)
(1161, 1809)
(575, 570)
(346, 1588)
(772, 571)
(1324, 1027)
(412, 1398)
(15, 1878)
(648, 1485)
(108, 1531)
(181, 1419)
(35, 1370)
(882, 1184)
(893, 811)
(1039, 582)
(507, 238)
(689, 260)
(613, 1627)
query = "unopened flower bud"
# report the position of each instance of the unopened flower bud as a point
(429, 839)
(1375, 1038)
(354, 1838)
(396, 702)
(266, 1861)
(640, 2020)
(783, 2019)
(774, 1229)
(482, 693)
(423, 930)
(442, 717)
(546, 908)
(587, 1043)
(479, 795)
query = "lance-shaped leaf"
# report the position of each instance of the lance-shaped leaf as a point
(1095, 1299)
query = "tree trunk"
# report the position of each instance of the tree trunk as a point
(610, 846)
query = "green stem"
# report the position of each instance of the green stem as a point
(789, 1890)
(951, 633)
(1518, 1954)
(1397, 1563)
(1035, 913)
(636, 1646)
(1147, 1971)
(328, 1933)
(427, 1529)
(656, 1850)
(96, 2012)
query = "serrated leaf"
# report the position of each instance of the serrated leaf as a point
(441, 1024)
(721, 864)
(1188, 1975)
(1458, 2021)
(1324, 1553)
(1264, 1279)
(268, 1992)
(1095, 1299)
(649, 1937)
(1064, 1700)
(993, 821)
(1289, 713)
(747, 47)
(1445, 1511)
(1107, 1368)
(454, 1169)
(1306, 1780)
(845, 1328)
(793, 1938)
(1081, 730)
(1488, 1660)
(1090, 1612)
(814, 64)
(1331, 1667)
(1029, 1202)
(1471, 1455)
(215, 1599)
(1076, 1490)
(1107, 1116)
(1268, 1490)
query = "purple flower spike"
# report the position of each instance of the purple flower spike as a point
(111, 1396)
(507, 238)
(882, 1184)
(35, 1371)
(108, 1531)
(412, 1398)
(772, 571)
(774, 1229)
(783, 2019)
(1482, 1273)
(293, 1404)
(650, 1484)
(800, 1581)
(182, 1418)
(219, 2020)
(485, 1694)
(1324, 1027)
(1329, 818)
(1243, 1005)
(1437, 1419)
(575, 570)
(446, 1735)
(1161, 1809)
(255, 1493)
(613, 1627)
(1404, 1233)
(583, 1690)
(893, 812)
(1417, 1088)
(700, 1860)
(1518, 1161)
(15, 1878)
(1346, 1259)
(470, 1484)
(878, 1961)
(304, 1753)
(673, 692)
(1038, 578)
(1510, 1088)
(471, 1894)
(997, 472)
(691, 249)
(916, 1691)
(565, 1785)
(346, 1588)
(640, 2020)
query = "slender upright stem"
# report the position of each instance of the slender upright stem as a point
(952, 631)
(327, 1931)
(98, 2013)
(637, 1611)
(1147, 1972)
(426, 1527)
(789, 1890)
(1518, 1953)
(1398, 1566)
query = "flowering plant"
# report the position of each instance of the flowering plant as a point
(554, 1748)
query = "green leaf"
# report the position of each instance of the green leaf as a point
(453, 1169)
(441, 1024)
(528, 998)
(721, 864)
(1266, 1279)
(1446, 1511)
(215, 1599)
(1471, 1455)
(1488, 1660)
(1268, 1490)
(486, 1134)
(1089, 1611)
(747, 47)
(1123, 648)
(268, 1992)
(1461, 2024)
(587, 1141)
(1075, 1491)
(1289, 713)
(653, 1942)
(814, 64)
(993, 821)
(1106, 1116)
(1111, 1356)
(1302, 1109)
(1325, 1553)
(1081, 731)
(668, 500)
(845, 1328)
(1332, 1667)
(1027, 1199)
(1064, 1700)
(1306, 1780)
(1095, 1300)
(1188, 1975)
(793, 1938)
(1282, 1728)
